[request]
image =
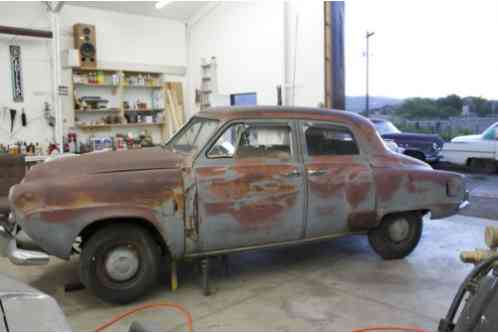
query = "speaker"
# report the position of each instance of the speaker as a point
(86, 43)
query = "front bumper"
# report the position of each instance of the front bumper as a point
(10, 248)
(433, 157)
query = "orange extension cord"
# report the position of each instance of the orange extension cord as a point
(390, 328)
(188, 319)
(178, 307)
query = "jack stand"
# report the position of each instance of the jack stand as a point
(74, 286)
(226, 265)
(174, 276)
(205, 276)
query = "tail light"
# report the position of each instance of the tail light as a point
(454, 187)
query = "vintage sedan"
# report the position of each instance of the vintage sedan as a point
(425, 147)
(480, 151)
(232, 179)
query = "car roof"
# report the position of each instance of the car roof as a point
(294, 112)
(366, 127)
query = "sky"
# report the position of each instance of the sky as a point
(423, 48)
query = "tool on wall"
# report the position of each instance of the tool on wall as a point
(24, 119)
(13, 113)
(15, 66)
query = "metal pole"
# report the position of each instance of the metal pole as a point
(54, 9)
(367, 99)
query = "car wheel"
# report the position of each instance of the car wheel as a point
(120, 263)
(396, 236)
(482, 166)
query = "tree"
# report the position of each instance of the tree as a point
(453, 101)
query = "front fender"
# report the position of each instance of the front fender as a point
(53, 212)
(55, 230)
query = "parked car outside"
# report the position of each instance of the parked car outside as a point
(480, 152)
(232, 179)
(425, 147)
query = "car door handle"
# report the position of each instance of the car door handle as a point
(320, 172)
(294, 173)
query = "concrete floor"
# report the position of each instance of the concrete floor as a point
(335, 285)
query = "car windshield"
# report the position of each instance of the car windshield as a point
(194, 135)
(491, 132)
(386, 127)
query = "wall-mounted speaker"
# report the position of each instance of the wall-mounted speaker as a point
(86, 43)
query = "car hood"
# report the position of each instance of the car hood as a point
(467, 138)
(109, 162)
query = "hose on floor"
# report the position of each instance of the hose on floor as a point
(187, 315)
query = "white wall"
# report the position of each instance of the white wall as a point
(306, 46)
(247, 41)
(37, 79)
(255, 44)
(124, 41)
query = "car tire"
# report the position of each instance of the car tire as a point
(396, 236)
(483, 166)
(120, 263)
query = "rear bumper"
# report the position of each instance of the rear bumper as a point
(18, 256)
(450, 209)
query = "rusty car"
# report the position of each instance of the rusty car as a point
(232, 179)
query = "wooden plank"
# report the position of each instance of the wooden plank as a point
(25, 32)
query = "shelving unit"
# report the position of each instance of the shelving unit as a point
(208, 82)
(143, 91)
(90, 127)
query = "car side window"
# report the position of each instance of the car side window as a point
(241, 141)
(330, 141)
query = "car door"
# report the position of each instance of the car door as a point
(339, 180)
(250, 186)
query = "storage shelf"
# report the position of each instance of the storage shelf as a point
(96, 85)
(103, 126)
(88, 69)
(144, 111)
(97, 110)
(141, 86)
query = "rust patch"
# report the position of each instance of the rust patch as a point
(357, 193)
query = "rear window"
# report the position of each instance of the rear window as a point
(330, 141)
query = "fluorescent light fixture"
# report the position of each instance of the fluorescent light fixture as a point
(162, 3)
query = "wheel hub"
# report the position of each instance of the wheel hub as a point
(399, 230)
(122, 263)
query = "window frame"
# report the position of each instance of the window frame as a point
(293, 134)
(184, 128)
(305, 124)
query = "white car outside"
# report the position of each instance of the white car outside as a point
(474, 150)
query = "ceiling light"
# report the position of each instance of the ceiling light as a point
(162, 3)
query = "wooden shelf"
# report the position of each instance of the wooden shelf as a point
(130, 125)
(95, 85)
(141, 86)
(97, 110)
(144, 111)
